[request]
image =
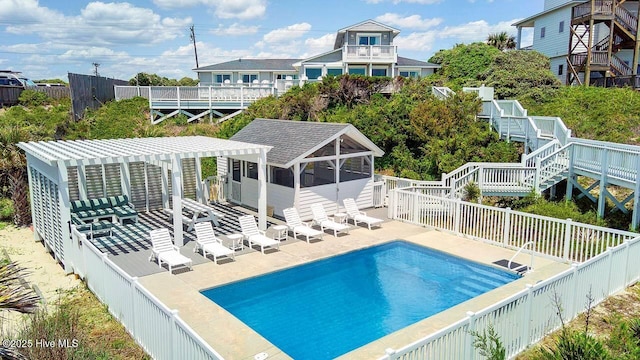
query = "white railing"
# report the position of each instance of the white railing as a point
(442, 92)
(371, 53)
(159, 330)
(557, 239)
(526, 317)
(606, 258)
(182, 95)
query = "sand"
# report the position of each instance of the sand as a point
(44, 271)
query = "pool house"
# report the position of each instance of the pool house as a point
(309, 162)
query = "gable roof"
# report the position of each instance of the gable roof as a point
(406, 62)
(251, 65)
(295, 140)
(340, 35)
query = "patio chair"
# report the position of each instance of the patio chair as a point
(164, 251)
(297, 226)
(359, 216)
(207, 241)
(254, 235)
(320, 217)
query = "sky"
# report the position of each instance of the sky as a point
(48, 38)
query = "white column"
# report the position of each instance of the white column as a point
(262, 190)
(165, 184)
(176, 193)
(199, 193)
(519, 39)
(337, 167)
(82, 182)
(296, 185)
(125, 178)
(65, 216)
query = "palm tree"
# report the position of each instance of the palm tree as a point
(13, 163)
(14, 296)
(502, 41)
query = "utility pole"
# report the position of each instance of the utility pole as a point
(96, 66)
(193, 38)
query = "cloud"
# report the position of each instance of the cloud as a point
(395, 2)
(418, 41)
(235, 30)
(240, 9)
(476, 30)
(98, 24)
(315, 46)
(290, 32)
(408, 22)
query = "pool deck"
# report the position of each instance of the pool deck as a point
(234, 340)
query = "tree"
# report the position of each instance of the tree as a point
(13, 162)
(145, 79)
(461, 65)
(501, 41)
(519, 74)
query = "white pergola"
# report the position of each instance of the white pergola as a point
(49, 162)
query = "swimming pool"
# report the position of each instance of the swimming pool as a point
(326, 308)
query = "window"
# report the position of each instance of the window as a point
(355, 168)
(560, 69)
(252, 170)
(313, 73)
(410, 74)
(369, 40)
(357, 71)
(542, 32)
(220, 78)
(378, 72)
(334, 72)
(284, 76)
(235, 168)
(561, 27)
(282, 176)
(317, 173)
(248, 78)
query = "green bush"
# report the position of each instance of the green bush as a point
(575, 345)
(32, 98)
(489, 344)
(6, 209)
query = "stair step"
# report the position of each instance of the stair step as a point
(469, 293)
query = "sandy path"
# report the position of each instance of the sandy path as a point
(45, 272)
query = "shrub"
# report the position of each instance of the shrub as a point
(32, 98)
(6, 209)
(489, 344)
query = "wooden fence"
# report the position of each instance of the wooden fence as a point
(9, 94)
(90, 92)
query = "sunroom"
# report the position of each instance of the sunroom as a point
(310, 162)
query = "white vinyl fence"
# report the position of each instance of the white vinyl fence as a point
(607, 260)
(158, 329)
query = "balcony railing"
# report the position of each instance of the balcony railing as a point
(370, 53)
(599, 8)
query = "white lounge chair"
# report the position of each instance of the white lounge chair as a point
(164, 251)
(320, 217)
(298, 226)
(358, 216)
(254, 235)
(207, 241)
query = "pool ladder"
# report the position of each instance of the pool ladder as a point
(522, 269)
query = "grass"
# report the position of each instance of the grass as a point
(611, 323)
(79, 315)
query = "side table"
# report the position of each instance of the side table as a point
(236, 241)
(280, 232)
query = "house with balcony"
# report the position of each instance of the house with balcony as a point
(227, 88)
(365, 48)
(592, 42)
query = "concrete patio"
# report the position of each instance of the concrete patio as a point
(234, 340)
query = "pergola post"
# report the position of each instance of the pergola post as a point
(199, 192)
(262, 190)
(176, 193)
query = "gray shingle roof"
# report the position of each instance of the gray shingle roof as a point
(403, 61)
(290, 139)
(252, 64)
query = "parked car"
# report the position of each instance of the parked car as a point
(14, 78)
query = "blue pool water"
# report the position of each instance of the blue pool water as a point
(329, 307)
